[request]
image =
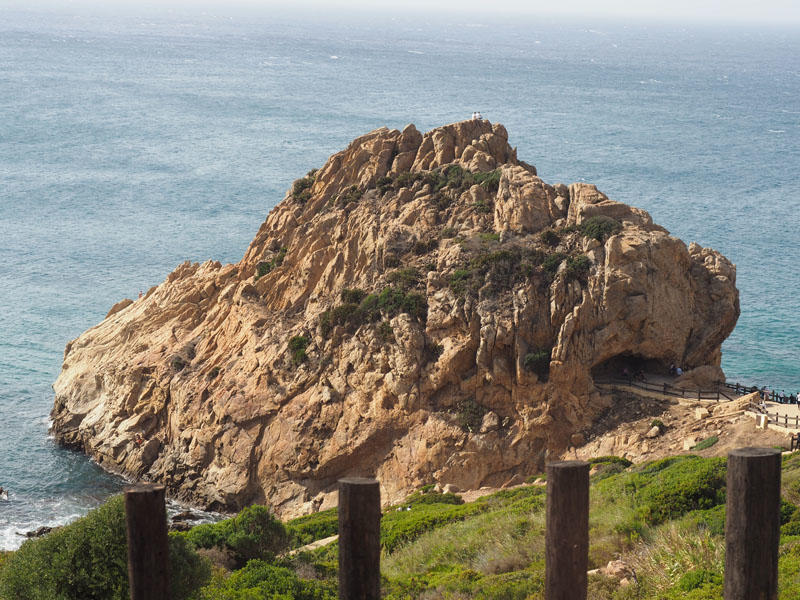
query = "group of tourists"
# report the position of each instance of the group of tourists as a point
(780, 398)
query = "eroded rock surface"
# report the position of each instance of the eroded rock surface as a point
(424, 308)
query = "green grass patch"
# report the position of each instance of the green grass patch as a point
(706, 443)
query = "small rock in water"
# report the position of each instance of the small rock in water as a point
(43, 530)
(186, 515)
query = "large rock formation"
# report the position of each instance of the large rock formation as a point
(423, 309)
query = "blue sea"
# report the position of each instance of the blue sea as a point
(130, 143)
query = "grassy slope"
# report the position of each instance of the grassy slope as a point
(665, 519)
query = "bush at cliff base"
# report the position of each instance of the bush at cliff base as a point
(253, 533)
(259, 580)
(87, 560)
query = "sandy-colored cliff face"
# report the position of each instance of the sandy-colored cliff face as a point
(394, 317)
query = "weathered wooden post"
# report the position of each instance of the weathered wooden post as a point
(567, 530)
(148, 544)
(359, 539)
(752, 524)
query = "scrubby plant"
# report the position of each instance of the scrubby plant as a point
(490, 237)
(384, 184)
(297, 348)
(577, 267)
(87, 560)
(448, 232)
(469, 414)
(348, 195)
(214, 372)
(253, 533)
(658, 423)
(316, 526)
(266, 266)
(552, 261)
(550, 237)
(384, 332)
(353, 295)
(260, 580)
(389, 302)
(600, 227)
(481, 206)
(538, 362)
(301, 188)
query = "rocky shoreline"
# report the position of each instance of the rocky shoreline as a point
(423, 308)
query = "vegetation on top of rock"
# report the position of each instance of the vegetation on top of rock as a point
(297, 348)
(550, 237)
(388, 303)
(501, 269)
(538, 362)
(301, 188)
(349, 195)
(265, 266)
(405, 279)
(600, 227)
(469, 414)
(577, 268)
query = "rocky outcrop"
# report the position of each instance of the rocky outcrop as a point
(423, 308)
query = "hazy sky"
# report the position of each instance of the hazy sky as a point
(776, 11)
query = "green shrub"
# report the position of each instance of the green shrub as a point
(259, 580)
(490, 237)
(577, 267)
(706, 443)
(297, 348)
(698, 578)
(301, 188)
(615, 460)
(309, 528)
(712, 519)
(553, 261)
(449, 232)
(400, 526)
(550, 237)
(385, 333)
(405, 279)
(253, 533)
(481, 206)
(352, 296)
(349, 195)
(88, 560)
(460, 280)
(538, 362)
(469, 414)
(388, 303)
(658, 423)
(384, 184)
(600, 227)
(266, 266)
(680, 487)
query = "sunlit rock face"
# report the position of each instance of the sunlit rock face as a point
(424, 308)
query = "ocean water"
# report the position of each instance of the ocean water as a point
(130, 143)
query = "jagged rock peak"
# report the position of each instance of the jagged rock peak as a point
(423, 308)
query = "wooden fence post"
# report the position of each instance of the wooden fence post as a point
(359, 539)
(148, 543)
(752, 524)
(567, 530)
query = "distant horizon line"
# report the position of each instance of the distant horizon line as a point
(437, 12)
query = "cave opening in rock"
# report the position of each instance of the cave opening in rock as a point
(629, 365)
